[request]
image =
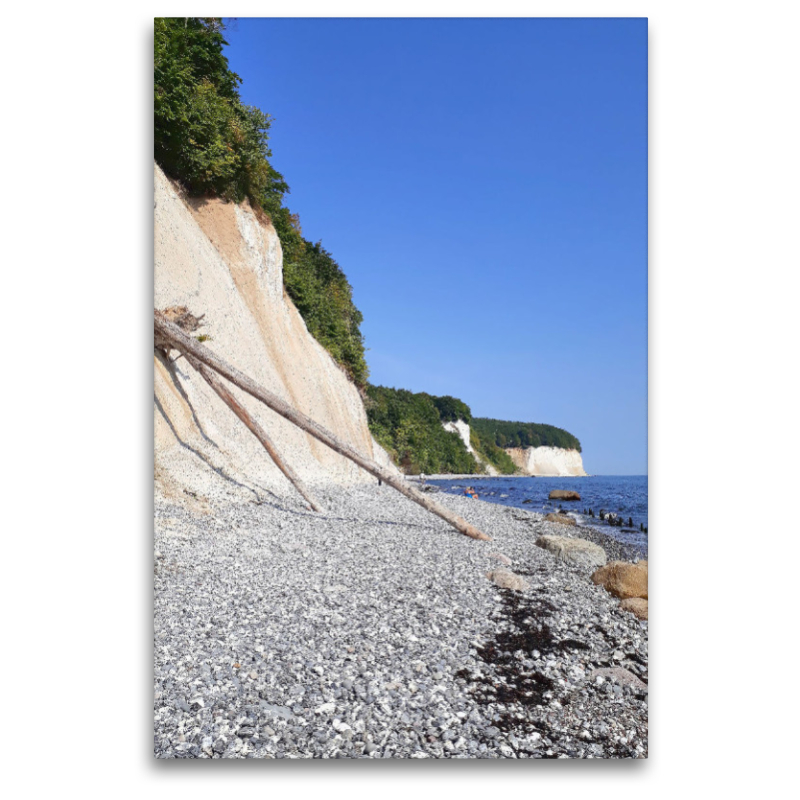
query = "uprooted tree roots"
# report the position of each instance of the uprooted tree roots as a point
(184, 319)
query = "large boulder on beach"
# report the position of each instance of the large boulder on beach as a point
(623, 579)
(636, 605)
(506, 579)
(562, 519)
(564, 494)
(575, 551)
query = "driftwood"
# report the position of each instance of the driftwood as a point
(167, 332)
(216, 384)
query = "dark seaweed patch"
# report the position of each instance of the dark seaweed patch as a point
(511, 684)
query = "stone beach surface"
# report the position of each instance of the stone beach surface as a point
(372, 631)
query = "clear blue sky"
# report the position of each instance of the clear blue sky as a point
(483, 185)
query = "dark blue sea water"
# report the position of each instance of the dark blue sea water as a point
(625, 495)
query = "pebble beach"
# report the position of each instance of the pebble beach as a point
(372, 631)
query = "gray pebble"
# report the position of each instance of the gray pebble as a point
(387, 606)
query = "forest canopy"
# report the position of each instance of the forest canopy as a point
(523, 434)
(408, 426)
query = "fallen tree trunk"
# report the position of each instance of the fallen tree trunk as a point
(169, 333)
(216, 384)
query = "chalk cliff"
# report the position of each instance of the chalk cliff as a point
(547, 461)
(224, 261)
(462, 429)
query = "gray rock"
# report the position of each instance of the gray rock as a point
(281, 712)
(575, 551)
(506, 579)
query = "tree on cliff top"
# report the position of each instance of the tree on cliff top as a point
(451, 409)
(213, 144)
(504, 433)
(204, 135)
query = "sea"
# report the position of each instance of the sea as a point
(625, 495)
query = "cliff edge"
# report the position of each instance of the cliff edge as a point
(223, 261)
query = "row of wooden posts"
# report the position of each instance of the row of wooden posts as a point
(210, 366)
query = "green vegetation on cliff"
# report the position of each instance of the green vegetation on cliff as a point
(213, 144)
(409, 427)
(490, 452)
(204, 136)
(452, 409)
(523, 434)
(321, 292)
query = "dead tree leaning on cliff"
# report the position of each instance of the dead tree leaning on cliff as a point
(169, 333)
(188, 323)
(216, 384)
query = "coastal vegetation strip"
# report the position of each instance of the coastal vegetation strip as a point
(504, 433)
(408, 426)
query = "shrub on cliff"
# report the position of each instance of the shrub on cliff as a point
(324, 297)
(319, 289)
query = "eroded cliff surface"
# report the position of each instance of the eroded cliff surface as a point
(221, 260)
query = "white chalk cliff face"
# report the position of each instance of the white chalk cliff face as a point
(547, 461)
(219, 259)
(462, 429)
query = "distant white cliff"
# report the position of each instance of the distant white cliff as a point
(539, 461)
(547, 461)
(462, 429)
